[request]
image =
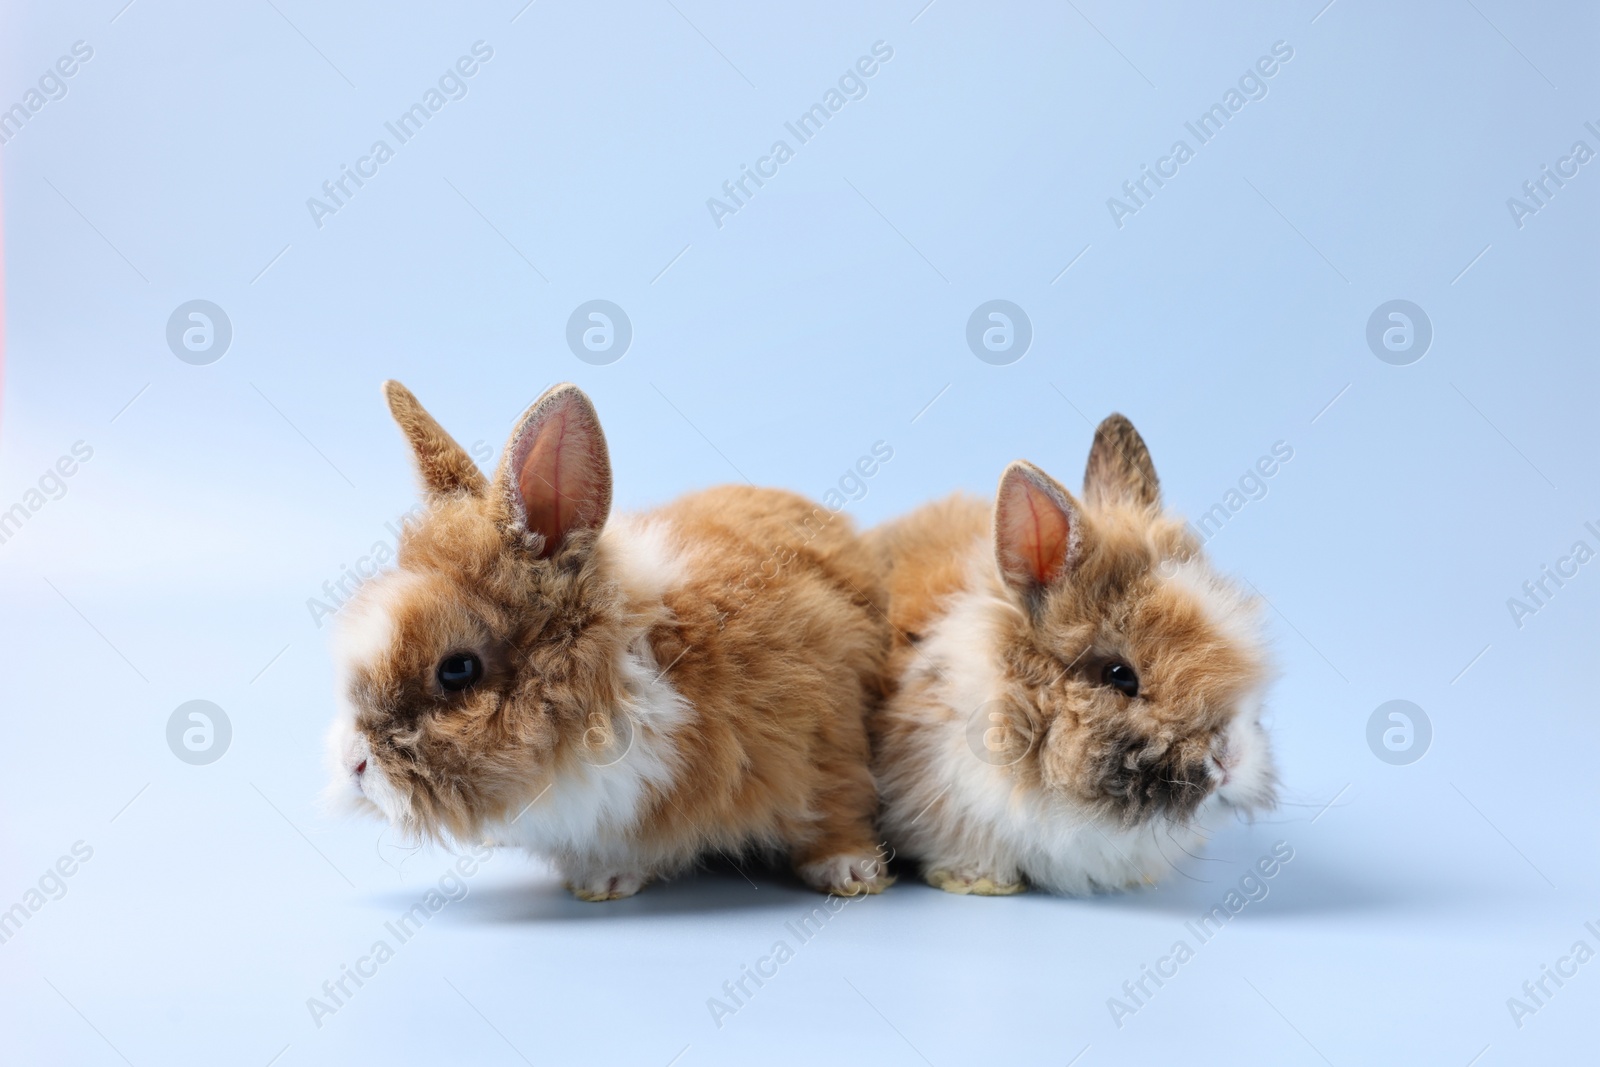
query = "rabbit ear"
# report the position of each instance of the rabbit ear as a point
(1120, 468)
(1037, 533)
(555, 475)
(444, 466)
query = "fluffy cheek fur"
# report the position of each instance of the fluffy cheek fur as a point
(362, 635)
(1249, 780)
(370, 793)
(465, 768)
(1124, 775)
(441, 771)
(1127, 779)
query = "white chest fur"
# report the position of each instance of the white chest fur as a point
(628, 753)
(591, 806)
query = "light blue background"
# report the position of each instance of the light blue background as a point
(823, 317)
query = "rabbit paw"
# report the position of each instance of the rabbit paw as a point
(606, 885)
(847, 874)
(970, 881)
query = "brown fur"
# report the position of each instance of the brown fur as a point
(775, 639)
(1120, 467)
(442, 465)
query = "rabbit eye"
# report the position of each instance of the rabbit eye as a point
(459, 670)
(1121, 677)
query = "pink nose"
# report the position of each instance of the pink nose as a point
(361, 768)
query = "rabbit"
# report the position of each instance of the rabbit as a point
(1073, 690)
(619, 694)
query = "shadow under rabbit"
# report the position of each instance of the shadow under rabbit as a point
(719, 886)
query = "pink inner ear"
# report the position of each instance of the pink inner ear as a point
(1035, 533)
(563, 475)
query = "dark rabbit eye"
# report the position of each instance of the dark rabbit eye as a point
(459, 670)
(1120, 677)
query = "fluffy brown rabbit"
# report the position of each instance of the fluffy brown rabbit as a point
(622, 694)
(1075, 692)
